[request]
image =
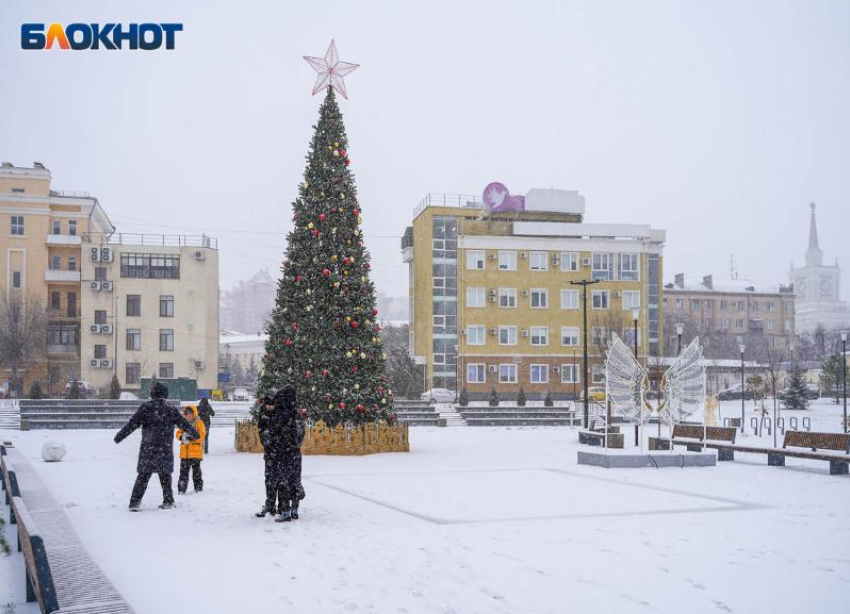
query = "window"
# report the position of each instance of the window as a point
(602, 265)
(100, 273)
(507, 260)
(723, 304)
(539, 335)
(569, 374)
(539, 298)
(539, 261)
(739, 305)
(55, 300)
(100, 351)
(739, 324)
(133, 373)
(62, 335)
(706, 304)
(134, 304)
(569, 261)
(679, 303)
(57, 227)
(507, 297)
(475, 297)
(166, 306)
(539, 374)
(630, 267)
(569, 299)
(754, 305)
(507, 335)
(724, 323)
(631, 299)
(445, 237)
(72, 228)
(476, 373)
(134, 339)
(598, 374)
(72, 263)
(16, 279)
(150, 266)
(569, 336)
(475, 334)
(17, 225)
(18, 190)
(768, 306)
(166, 340)
(601, 299)
(599, 336)
(695, 304)
(475, 259)
(629, 336)
(166, 370)
(507, 374)
(100, 316)
(769, 324)
(72, 304)
(55, 263)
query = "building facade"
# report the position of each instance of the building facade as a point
(149, 307)
(818, 288)
(248, 306)
(724, 313)
(125, 305)
(491, 304)
(42, 233)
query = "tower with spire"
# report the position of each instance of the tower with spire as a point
(818, 287)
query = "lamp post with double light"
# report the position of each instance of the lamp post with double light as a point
(742, 348)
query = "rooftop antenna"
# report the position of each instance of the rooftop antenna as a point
(733, 267)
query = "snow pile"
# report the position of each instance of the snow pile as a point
(53, 451)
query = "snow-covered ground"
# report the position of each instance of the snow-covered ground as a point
(471, 520)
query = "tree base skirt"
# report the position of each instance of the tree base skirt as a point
(337, 441)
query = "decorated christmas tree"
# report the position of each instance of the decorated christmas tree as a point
(324, 337)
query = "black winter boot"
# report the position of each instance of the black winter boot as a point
(294, 512)
(265, 510)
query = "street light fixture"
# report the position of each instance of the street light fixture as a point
(635, 316)
(680, 328)
(844, 362)
(584, 283)
(742, 348)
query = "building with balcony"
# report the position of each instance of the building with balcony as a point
(725, 313)
(42, 230)
(491, 304)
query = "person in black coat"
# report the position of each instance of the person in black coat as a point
(285, 432)
(265, 415)
(205, 413)
(157, 419)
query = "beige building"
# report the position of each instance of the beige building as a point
(722, 312)
(41, 234)
(149, 307)
(490, 297)
(131, 305)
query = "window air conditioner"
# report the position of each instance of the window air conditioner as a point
(95, 254)
(523, 255)
(492, 331)
(106, 362)
(95, 363)
(492, 256)
(525, 292)
(585, 262)
(106, 285)
(95, 328)
(492, 368)
(199, 364)
(525, 332)
(556, 369)
(200, 255)
(106, 329)
(95, 285)
(106, 254)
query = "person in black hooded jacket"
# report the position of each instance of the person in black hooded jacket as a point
(287, 436)
(205, 413)
(265, 414)
(157, 419)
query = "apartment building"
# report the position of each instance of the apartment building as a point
(491, 304)
(149, 307)
(722, 312)
(42, 232)
(128, 305)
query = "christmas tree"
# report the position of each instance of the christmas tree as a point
(323, 337)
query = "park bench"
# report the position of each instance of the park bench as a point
(831, 447)
(10, 483)
(695, 438)
(61, 575)
(597, 438)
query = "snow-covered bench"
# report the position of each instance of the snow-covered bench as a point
(61, 575)
(695, 438)
(10, 482)
(837, 446)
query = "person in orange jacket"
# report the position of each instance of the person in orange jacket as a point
(191, 452)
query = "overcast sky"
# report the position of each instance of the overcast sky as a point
(718, 121)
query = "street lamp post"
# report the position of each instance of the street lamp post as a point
(584, 283)
(844, 362)
(742, 348)
(635, 315)
(680, 328)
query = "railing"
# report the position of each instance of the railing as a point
(70, 193)
(124, 238)
(60, 348)
(63, 314)
(445, 200)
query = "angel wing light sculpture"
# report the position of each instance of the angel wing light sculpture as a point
(682, 385)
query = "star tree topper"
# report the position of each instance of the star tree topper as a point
(331, 71)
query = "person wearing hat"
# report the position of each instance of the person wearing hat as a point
(206, 413)
(265, 415)
(157, 418)
(285, 431)
(191, 452)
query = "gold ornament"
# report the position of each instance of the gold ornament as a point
(345, 273)
(362, 354)
(336, 154)
(310, 225)
(348, 318)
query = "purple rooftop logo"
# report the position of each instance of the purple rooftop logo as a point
(496, 199)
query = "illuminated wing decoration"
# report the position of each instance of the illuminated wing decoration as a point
(626, 382)
(684, 384)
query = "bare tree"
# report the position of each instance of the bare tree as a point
(23, 333)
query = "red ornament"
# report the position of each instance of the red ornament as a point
(380, 388)
(360, 244)
(355, 212)
(325, 372)
(360, 408)
(326, 272)
(342, 152)
(315, 233)
(353, 324)
(295, 326)
(322, 217)
(345, 260)
(342, 405)
(309, 374)
(354, 368)
(374, 312)
(288, 341)
(298, 278)
(304, 411)
(347, 161)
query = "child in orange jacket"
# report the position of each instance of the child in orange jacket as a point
(191, 452)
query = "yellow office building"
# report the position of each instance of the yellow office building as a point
(491, 302)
